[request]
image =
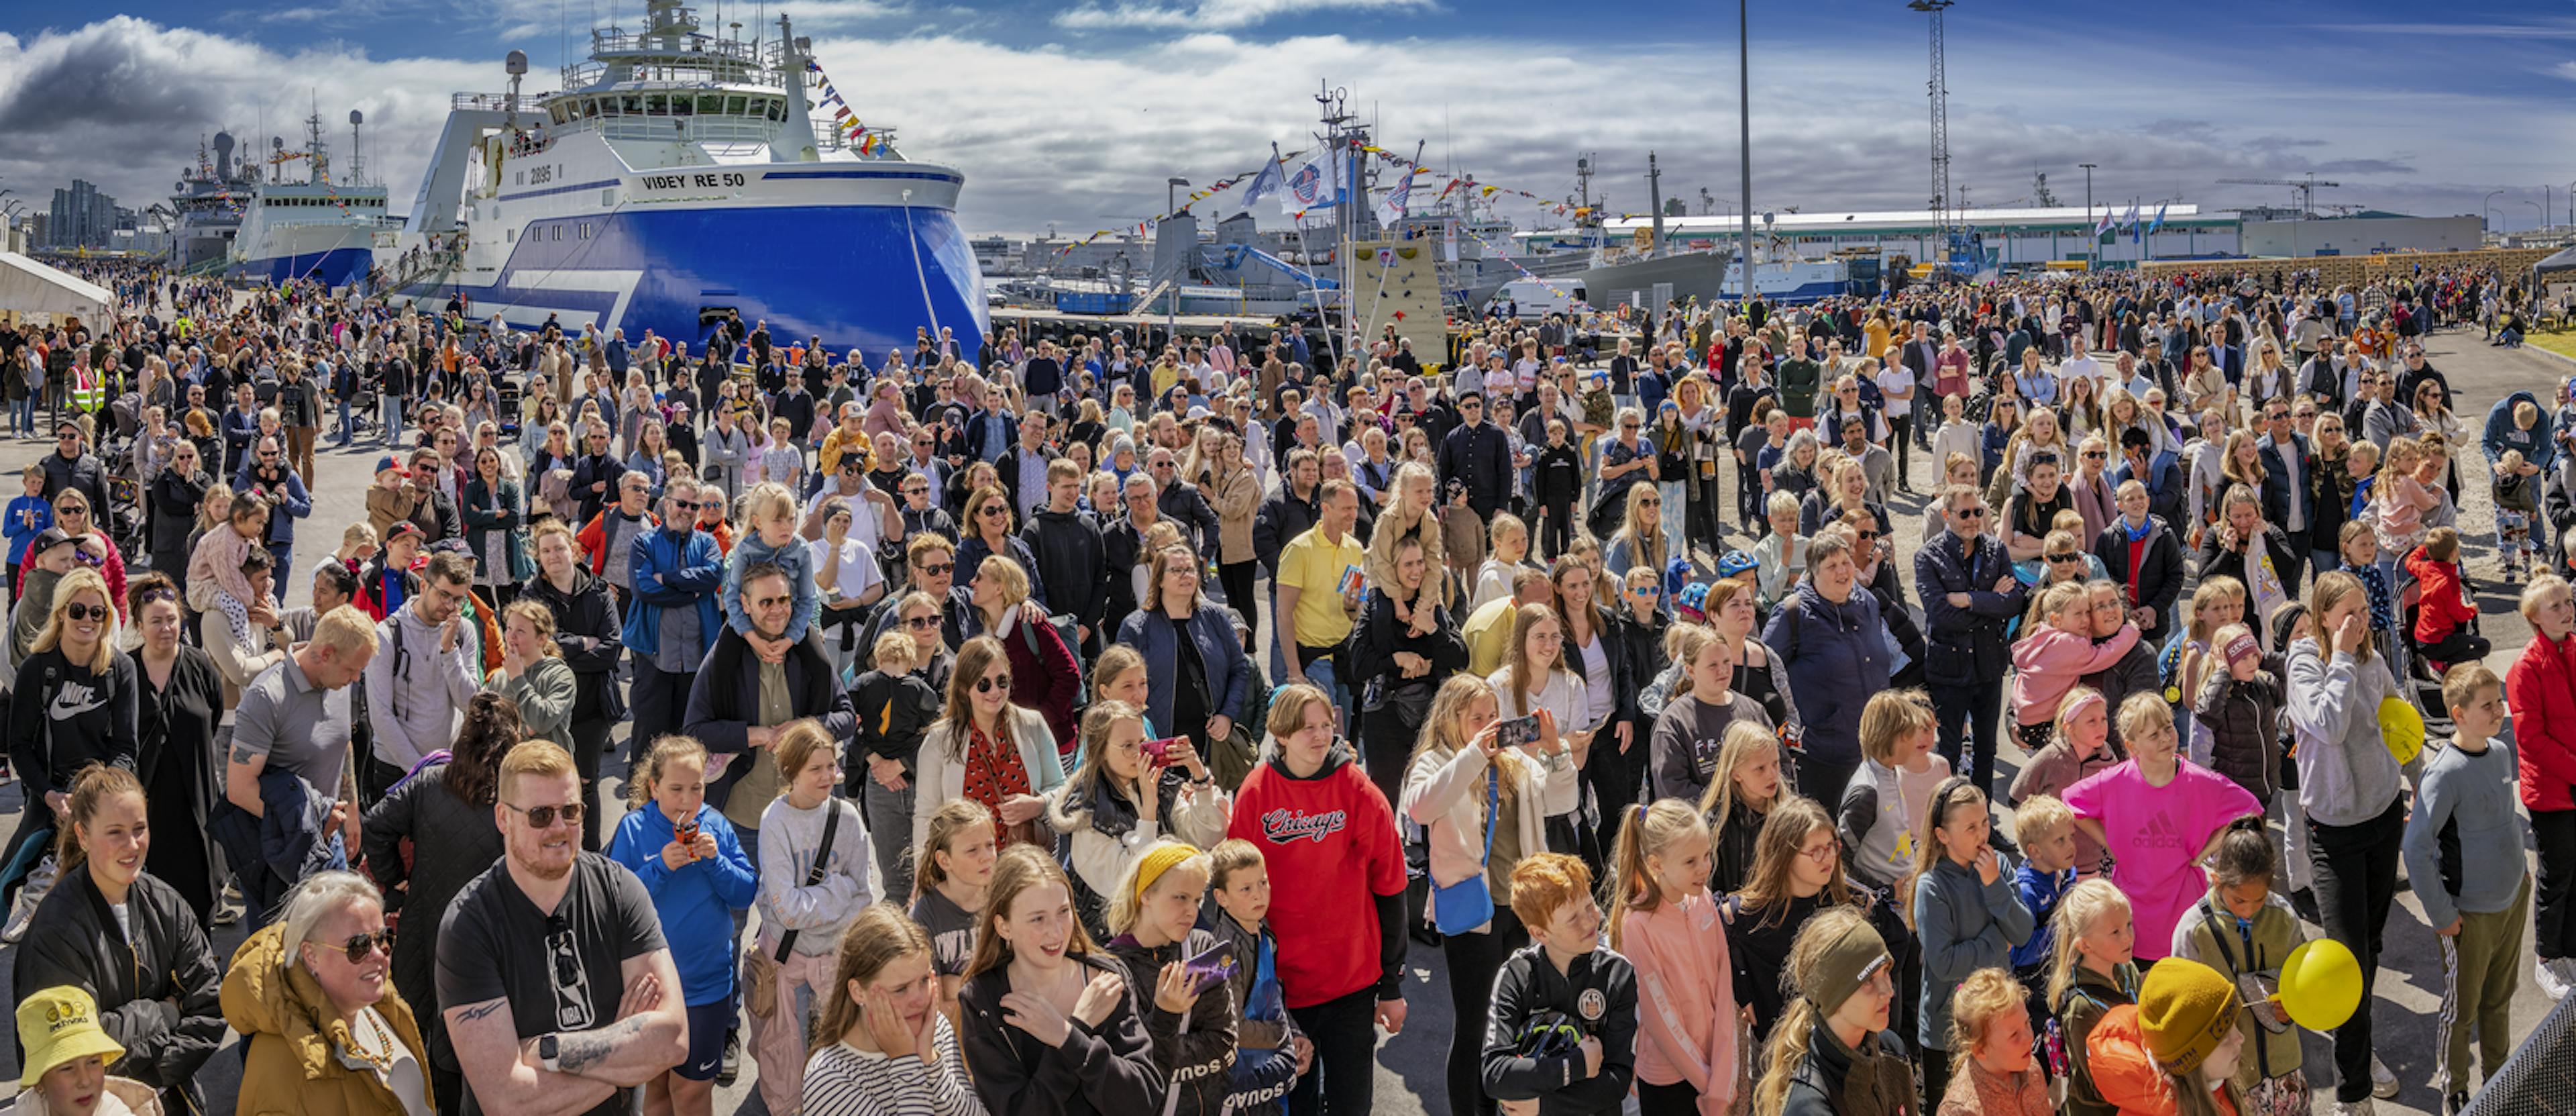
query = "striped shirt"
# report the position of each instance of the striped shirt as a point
(842, 1080)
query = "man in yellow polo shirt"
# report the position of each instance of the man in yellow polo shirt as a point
(1319, 587)
(1489, 629)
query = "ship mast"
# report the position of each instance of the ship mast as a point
(1343, 137)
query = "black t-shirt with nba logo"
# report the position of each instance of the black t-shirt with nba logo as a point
(560, 972)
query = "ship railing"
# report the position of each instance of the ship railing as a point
(497, 102)
(828, 136)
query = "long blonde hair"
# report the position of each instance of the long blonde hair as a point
(2084, 903)
(1393, 529)
(2330, 590)
(1741, 741)
(1441, 734)
(1645, 831)
(87, 579)
(1798, 1022)
(879, 936)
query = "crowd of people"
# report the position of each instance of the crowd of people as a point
(1098, 723)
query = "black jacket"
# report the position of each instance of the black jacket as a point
(1479, 457)
(2160, 572)
(1281, 519)
(1196, 1049)
(1109, 1069)
(174, 500)
(726, 694)
(1380, 635)
(2276, 482)
(84, 473)
(587, 629)
(589, 469)
(73, 940)
(1183, 503)
(2214, 560)
(1598, 995)
(1965, 646)
(1072, 563)
(452, 842)
(65, 718)
(1824, 1082)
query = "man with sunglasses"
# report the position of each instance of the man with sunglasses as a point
(72, 466)
(741, 696)
(2288, 472)
(559, 991)
(1478, 455)
(674, 570)
(1969, 595)
(268, 475)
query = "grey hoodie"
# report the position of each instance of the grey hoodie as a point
(2346, 774)
(416, 697)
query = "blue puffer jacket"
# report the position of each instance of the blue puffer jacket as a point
(1837, 657)
(2536, 444)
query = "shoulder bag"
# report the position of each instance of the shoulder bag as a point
(760, 967)
(1463, 906)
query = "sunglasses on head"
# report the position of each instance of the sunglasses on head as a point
(986, 684)
(544, 817)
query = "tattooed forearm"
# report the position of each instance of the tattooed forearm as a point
(580, 1050)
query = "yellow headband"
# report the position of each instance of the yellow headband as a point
(1159, 861)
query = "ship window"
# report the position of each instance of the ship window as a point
(631, 104)
(711, 104)
(733, 106)
(777, 110)
(680, 105)
(656, 104)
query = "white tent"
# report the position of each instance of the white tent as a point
(29, 287)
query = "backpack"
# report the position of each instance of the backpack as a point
(1064, 630)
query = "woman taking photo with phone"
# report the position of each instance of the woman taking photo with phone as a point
(1479, 802)
(1128, 793)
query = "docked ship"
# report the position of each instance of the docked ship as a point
(210, 200)
(677, 179)
(318, 228)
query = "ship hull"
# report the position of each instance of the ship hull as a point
(845, 273)
(332, 267)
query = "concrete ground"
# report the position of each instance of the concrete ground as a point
(1410, 1064)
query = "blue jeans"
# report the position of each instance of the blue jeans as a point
(284, 555)
(392, 415)
(22, 416)
(348, 423)
(1321, 674)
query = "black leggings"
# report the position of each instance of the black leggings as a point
(2356, 882)
(2461, 646)
(1676, 1099)
(2554, 894)
(1556, 528)
(1237, 578)
(1386, 743)
(1473, 959)
(589, 741)
(1342, 1080)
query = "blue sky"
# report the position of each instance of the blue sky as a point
(1070, 114)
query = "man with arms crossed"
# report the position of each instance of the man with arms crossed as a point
(558, 990)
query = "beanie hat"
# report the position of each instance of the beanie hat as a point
(1848, 961)
(2185, 1009)
(2243, 647)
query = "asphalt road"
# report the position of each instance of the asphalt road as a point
(1410, 1064)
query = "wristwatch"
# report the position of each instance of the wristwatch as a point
(546, 1053)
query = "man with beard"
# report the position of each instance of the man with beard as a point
(559, 992)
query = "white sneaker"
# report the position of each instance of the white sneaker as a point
(2557, 977)
(2362, 1107)
(2383, 1084)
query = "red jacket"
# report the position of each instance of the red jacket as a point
(2541, 691)
(2440, 608)
(593, 538)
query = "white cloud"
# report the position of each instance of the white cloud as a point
(1083, 139)
(1217, 15)
(2565, 69)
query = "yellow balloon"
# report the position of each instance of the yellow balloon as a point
(2402, 728)
(2320, 984)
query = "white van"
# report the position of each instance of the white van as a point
(1538, 298)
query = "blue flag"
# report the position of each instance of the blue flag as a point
(1264, 183)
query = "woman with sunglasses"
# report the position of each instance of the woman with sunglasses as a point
(175, 497)
(987, 534)
(986, 749)
(180, 697)
(341, 1041)
(77, 516)
(75, 700)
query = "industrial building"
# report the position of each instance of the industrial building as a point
(2369, 232)
(2013, 238)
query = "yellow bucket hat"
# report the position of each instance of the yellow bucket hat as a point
(60, 1025)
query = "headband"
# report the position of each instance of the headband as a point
(2076, 707)
(1159, 861)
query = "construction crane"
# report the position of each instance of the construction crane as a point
(2306, 188)
(1939, 92)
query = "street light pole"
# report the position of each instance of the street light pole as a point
(2486, 207)
(1172, 309)
(1744, 135)
(2544, 213)
(2095, 243)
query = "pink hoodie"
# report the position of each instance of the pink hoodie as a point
(2049, 662)
(1686, 1009)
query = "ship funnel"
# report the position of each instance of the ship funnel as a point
(223, 156)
